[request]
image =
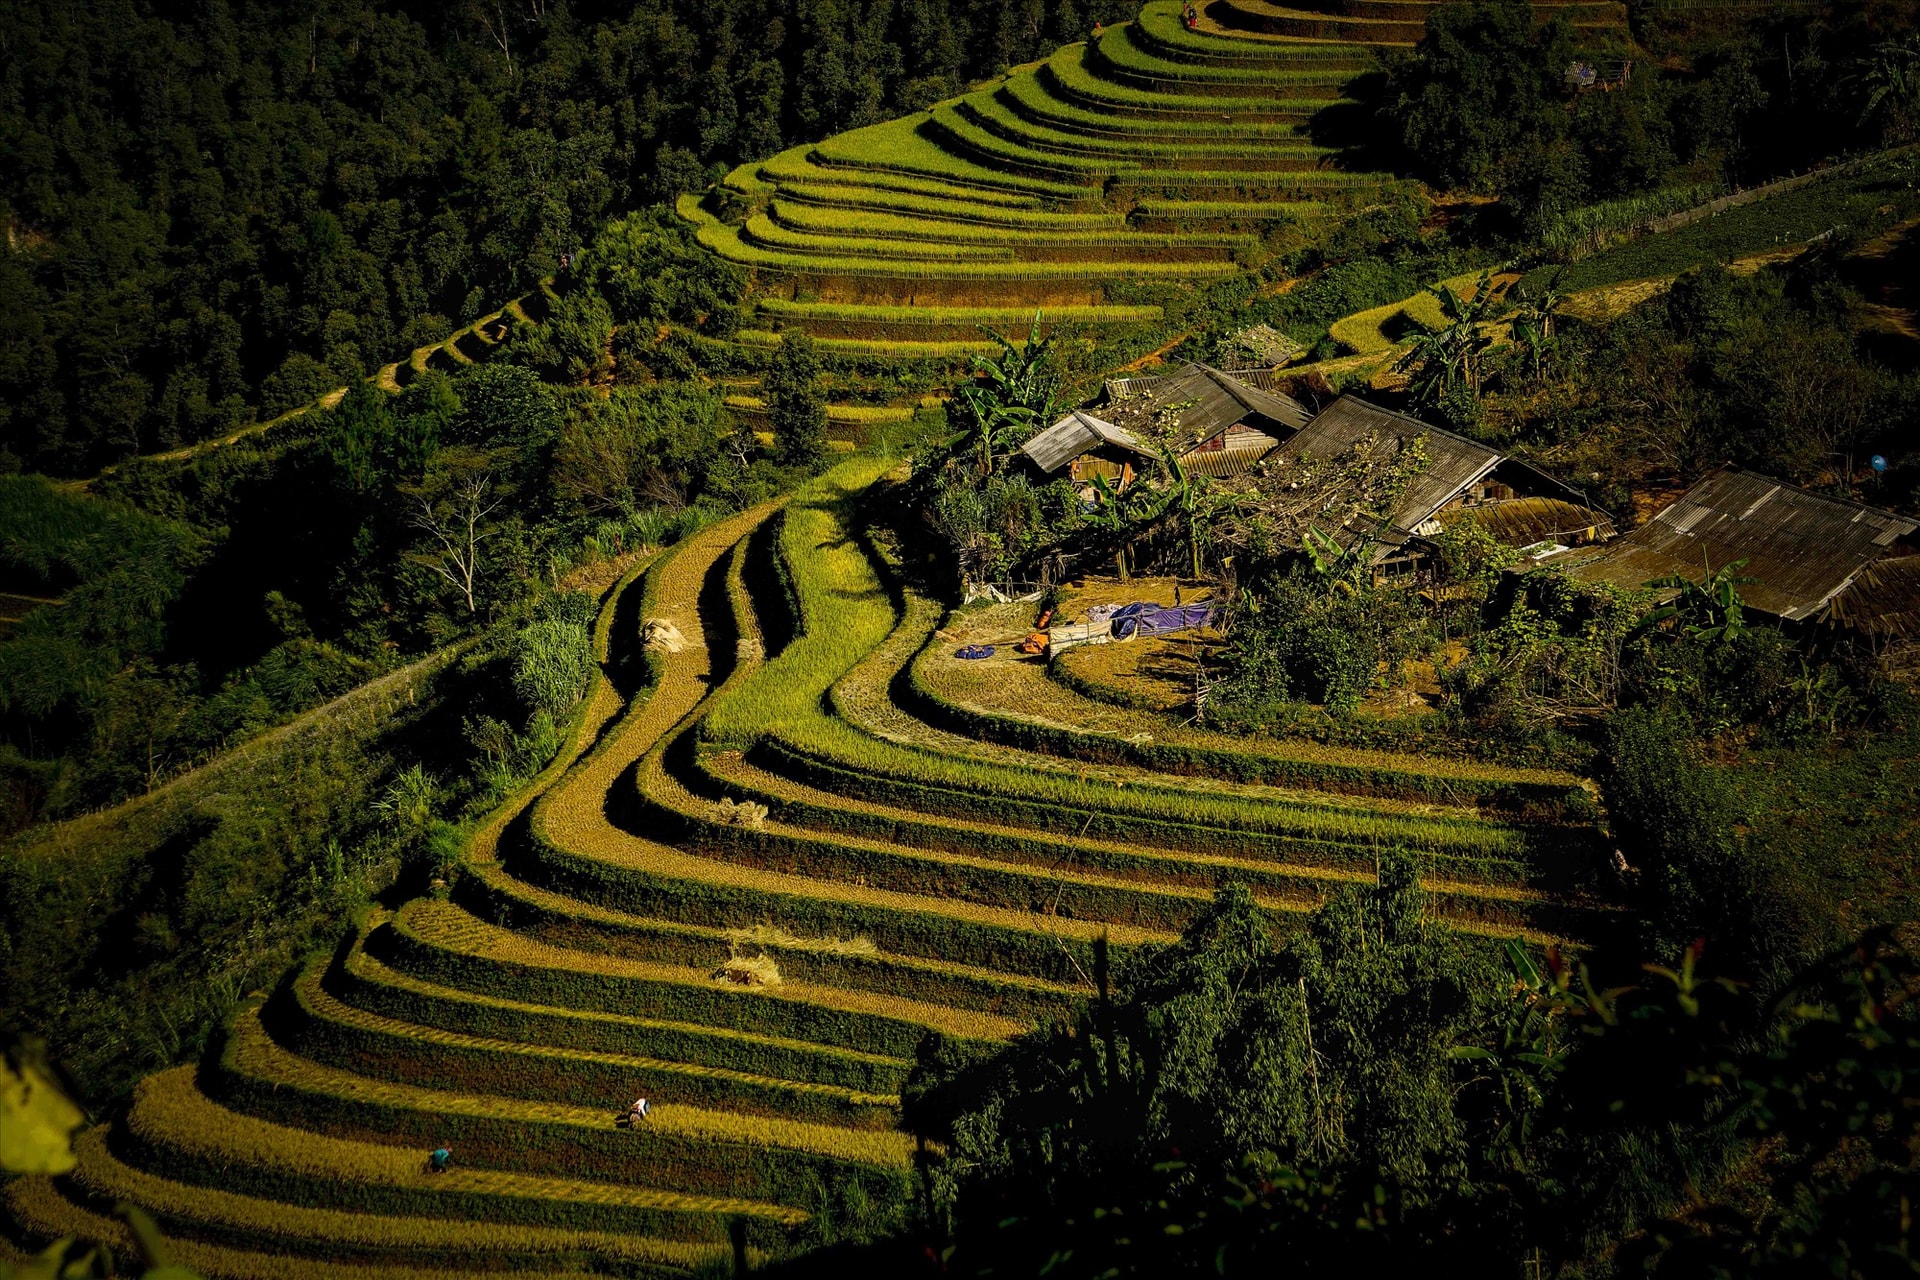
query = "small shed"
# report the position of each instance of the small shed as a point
(1081, 446)
(1883, 600)
(1222, 423)
(1804, 550)
(1462, 480)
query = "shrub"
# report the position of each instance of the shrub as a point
(1481, 87)
(794, 402)
(650, 270)
(298, 382)
(1679, 820)
(504, 406)
(571, 345)
(1310, 644)
(552, 665)
(650, 443)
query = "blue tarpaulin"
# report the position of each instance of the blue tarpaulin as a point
(1144, 618)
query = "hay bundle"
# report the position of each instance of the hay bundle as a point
(662, 635)
(744, 813)
(749, 971)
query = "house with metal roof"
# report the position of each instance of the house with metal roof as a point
(1215, 423)
(1459, 480)
(1252, 438)
(1081, 446)
(1139, 384)
(1811, 557)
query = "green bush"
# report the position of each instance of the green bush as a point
(569, 346)
(298, 382)
(795, 403)
(650, 270)
(504, 406)
(1679, 820)
(1305, 646)
(552, 665)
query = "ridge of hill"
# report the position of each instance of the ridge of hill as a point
(465, 345)
(939, 853)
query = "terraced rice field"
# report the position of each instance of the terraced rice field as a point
(941, 850)
(1148, 156)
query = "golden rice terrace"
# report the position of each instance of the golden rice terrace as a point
(793, 836)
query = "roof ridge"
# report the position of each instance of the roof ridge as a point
(1422, 423)
(1734, 469)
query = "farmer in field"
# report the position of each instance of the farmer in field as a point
(638, 1112)
(437, 1161)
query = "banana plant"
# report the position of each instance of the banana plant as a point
(1189, 492)
(1532, 324)
(1448, 356)
(995, 425)
(1890, 82)
(1011, 394)
(1540, 306)
(1708, 610)
(1323, 552)
(1123, 509)
(1022, 375)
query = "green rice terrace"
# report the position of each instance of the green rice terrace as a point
(1150, 156)
(789, 840)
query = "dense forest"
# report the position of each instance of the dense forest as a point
(216, 212)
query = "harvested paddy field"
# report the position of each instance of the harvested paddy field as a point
(810, 839)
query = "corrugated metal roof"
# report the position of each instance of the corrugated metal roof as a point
(1453, 462)
(1223, 464)
(1802, 549)
(1213, 401)
(1267, 380)
(1072, 436)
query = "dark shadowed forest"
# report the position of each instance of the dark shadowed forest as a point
(216, 212)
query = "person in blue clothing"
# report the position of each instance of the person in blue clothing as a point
(437, 1161)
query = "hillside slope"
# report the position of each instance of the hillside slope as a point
(937, 855)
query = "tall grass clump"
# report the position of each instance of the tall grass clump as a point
(553, 662)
